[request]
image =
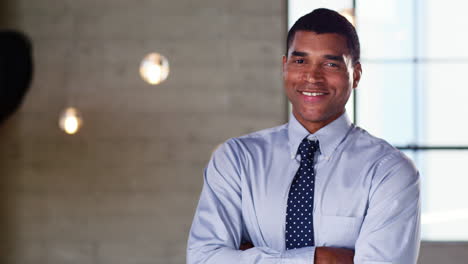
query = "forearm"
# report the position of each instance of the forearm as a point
(329, 255)
(323, 255)
(218, 227)
(253, 255)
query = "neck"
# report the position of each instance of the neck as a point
(314, 126)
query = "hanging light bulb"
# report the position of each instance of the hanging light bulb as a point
(349, 15)
(70, 120)
(154, 68)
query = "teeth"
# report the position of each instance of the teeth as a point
(312, 94)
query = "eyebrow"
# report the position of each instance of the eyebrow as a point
(299, 53)
(334, 57)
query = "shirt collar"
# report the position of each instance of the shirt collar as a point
(329, 136)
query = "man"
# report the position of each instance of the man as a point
(315, 190)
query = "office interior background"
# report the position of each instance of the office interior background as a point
(123, 189)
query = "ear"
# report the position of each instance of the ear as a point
(285, 59)
(357, 72)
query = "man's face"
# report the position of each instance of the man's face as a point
(318, 77)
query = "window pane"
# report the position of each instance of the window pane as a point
(350, 107)
(385, 99)
(386, 29)
(411, 154)
(444, 23)
(444, 104)
(444, 199)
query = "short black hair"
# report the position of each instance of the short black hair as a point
(324, 20)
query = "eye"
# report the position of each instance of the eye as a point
(331, 64)
(299, 61)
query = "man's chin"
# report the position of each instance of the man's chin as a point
(317, 118)
(308, 118)
(313, 117)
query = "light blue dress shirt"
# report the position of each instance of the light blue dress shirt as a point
(367, 198)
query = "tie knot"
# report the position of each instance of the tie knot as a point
(307, 149)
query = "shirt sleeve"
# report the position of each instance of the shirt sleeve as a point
(390, 232)
(217, 229)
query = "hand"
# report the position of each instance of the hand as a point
(246, 246)
(330, 255)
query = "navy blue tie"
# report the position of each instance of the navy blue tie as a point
(299, 221)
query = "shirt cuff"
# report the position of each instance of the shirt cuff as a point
(298, 256)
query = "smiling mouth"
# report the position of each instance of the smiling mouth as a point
(312, 93)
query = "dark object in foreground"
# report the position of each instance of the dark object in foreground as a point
(16, 69)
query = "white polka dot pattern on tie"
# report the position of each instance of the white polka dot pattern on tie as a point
(299, 221)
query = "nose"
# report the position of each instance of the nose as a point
(313, 73)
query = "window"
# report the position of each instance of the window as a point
(412, 93)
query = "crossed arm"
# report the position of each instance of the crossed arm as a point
(323, 255)
(389, 232)
(217, 244)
